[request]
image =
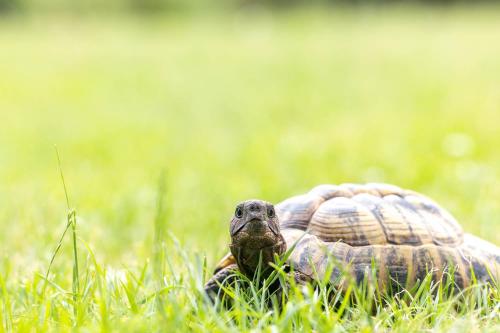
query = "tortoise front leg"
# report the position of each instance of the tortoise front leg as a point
(299, 279)
(223, 277)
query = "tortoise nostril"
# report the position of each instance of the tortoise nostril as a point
(253, 207)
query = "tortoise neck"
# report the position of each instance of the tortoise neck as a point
(252, 260)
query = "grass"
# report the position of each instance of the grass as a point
(234, 106)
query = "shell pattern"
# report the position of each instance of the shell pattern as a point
(372, 214)
(404, 233)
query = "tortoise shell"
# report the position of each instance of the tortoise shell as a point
(404, 233)
(371, 214)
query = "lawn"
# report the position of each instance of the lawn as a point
(164, 123)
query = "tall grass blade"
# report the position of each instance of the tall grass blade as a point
(71, 218)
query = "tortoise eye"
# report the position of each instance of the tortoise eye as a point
(270, 212)
(239, 212)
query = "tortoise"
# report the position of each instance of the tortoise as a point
(403, 235)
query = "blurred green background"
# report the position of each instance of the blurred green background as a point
(233, 102)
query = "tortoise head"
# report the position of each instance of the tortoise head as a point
(255, 235)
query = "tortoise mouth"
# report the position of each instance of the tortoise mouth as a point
(256, 227)
(254, 234)
(274, 247)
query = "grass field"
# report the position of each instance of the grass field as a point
(229, 107)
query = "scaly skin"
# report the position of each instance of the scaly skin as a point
(255, 240)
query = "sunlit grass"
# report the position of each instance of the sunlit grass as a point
(237, 106)
(117, 300)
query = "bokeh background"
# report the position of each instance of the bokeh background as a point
(236, 100)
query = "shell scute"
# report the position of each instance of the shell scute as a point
(327, 191)
(296, 212)
(343, 219)
(371, 214)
